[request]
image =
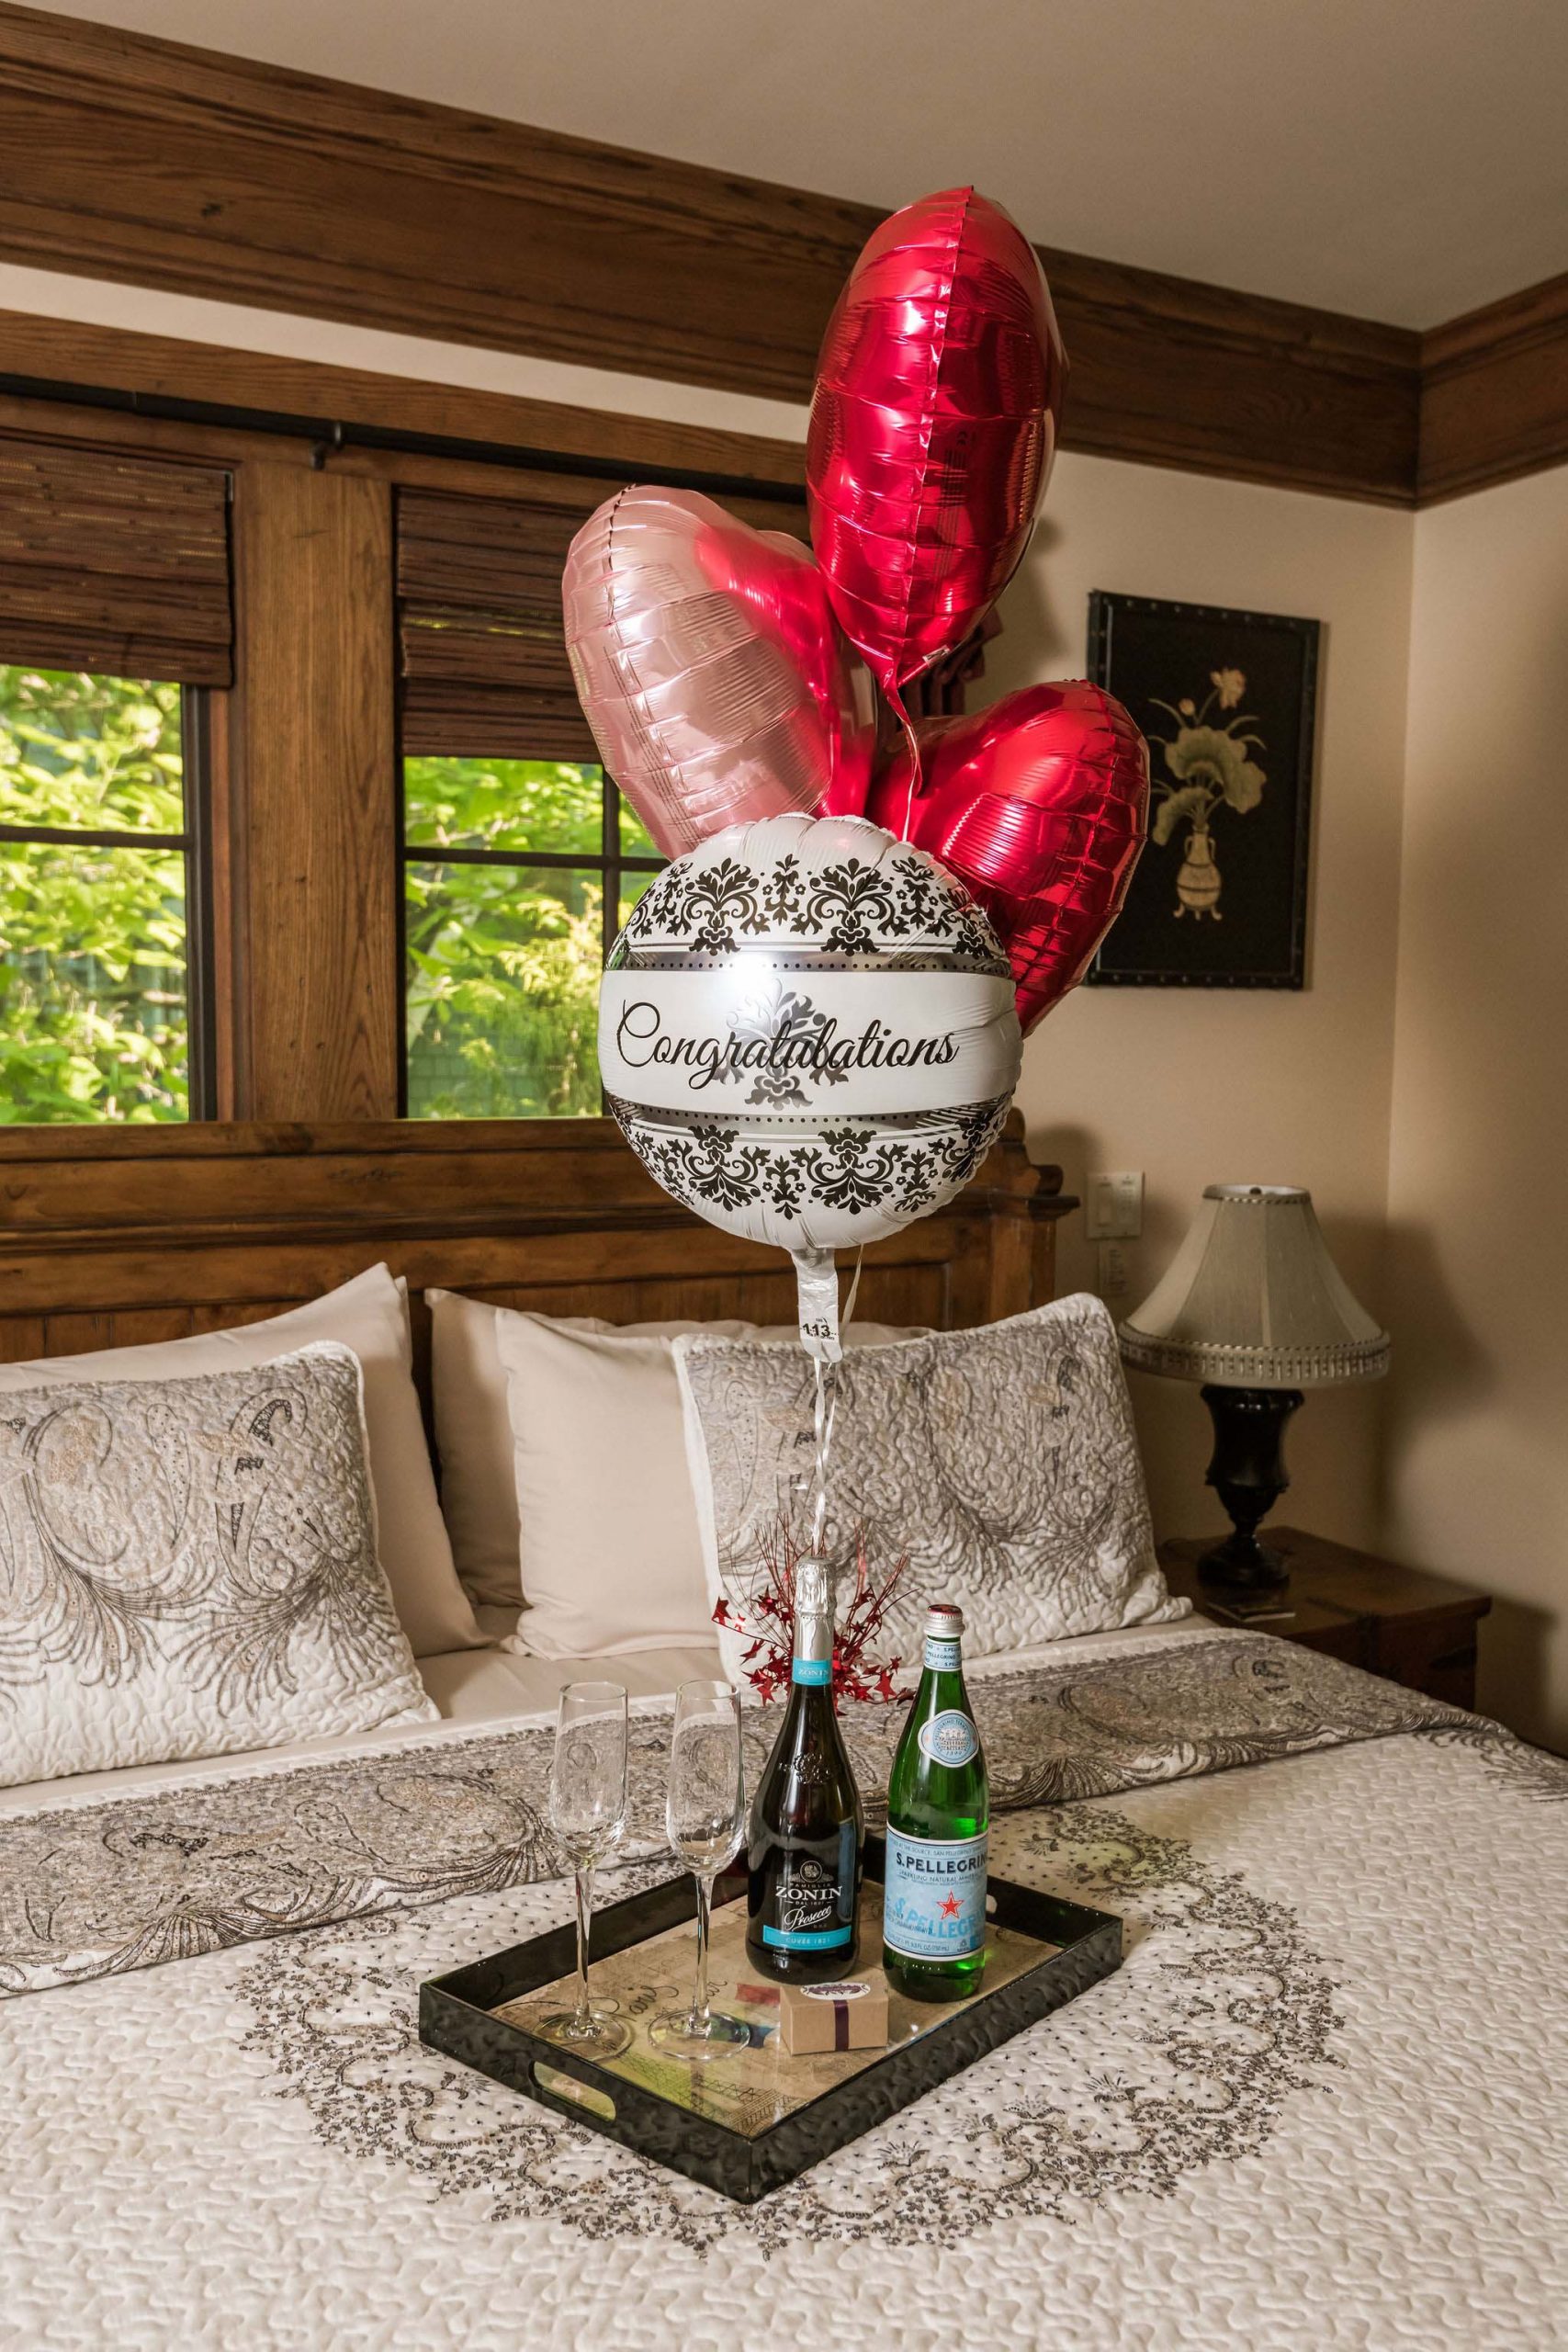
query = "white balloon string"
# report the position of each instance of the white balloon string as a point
(824, 1407)
(855, 1287)
(824, 1413)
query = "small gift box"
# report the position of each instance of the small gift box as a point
(848, 2016)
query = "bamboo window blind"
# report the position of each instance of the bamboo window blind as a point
(485, 672)
(115, 564)
(483, 655)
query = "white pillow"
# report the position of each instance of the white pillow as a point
(473, 1431)
(1002, 1461)
(611, 1558)
(187, 1567)
(370, 1316)
(564, 1474)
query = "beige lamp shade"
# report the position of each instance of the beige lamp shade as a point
(1254, 1300)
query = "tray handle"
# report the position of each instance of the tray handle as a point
(566, 2088)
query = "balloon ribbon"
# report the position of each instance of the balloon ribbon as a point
(825, 1392)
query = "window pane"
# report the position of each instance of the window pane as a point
(502, 990)
(504, 804)
(97, 753)
(93, 1021)
(635, 839)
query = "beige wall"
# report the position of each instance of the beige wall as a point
(1208, 1086)
(1477, 1446)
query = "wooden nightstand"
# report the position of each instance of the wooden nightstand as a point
(1412, 1628)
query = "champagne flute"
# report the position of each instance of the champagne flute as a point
(705, 1815)
(588, 1814)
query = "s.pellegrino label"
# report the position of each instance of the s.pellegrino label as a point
(803, 1850)
(934, 1898)
(934, 1918)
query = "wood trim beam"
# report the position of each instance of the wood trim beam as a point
(1169, 372)
(151, 162)
(1494, 393)
(165, 373)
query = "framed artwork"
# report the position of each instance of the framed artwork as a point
(1227, 701)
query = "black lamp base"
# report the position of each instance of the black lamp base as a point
(1248, 1472)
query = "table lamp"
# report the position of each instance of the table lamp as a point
(1254, 1307)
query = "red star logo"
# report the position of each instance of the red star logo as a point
(950, 1909)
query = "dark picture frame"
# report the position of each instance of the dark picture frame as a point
(1228, 701)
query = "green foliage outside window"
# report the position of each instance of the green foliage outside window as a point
(93, 1007)
(503, 961)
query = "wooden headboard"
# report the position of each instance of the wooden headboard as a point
(111, 1236)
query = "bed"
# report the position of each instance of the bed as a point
(1319, 2103)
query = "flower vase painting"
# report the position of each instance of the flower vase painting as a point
(1228, 703)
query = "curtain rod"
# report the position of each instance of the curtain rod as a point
(329, 433)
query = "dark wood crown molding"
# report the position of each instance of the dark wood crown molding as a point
(1494, 393)
(154, 164)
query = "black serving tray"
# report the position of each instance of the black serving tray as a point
(670, 2116)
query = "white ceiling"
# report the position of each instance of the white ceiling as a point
(1402, 159)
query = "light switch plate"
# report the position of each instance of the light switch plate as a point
(1114, 1208)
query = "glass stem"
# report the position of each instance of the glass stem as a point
(700, 1996)
(584, 1878)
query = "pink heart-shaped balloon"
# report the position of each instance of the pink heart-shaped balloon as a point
(1041, 806)
(709, 665)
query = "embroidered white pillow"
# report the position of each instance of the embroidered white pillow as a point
(1002, 1461)
(187, 1567)
(368, 1315)
(570, 1466)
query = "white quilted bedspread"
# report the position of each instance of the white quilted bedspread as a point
(1322, 2104)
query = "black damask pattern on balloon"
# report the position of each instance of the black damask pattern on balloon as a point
(856, 907)
(784, 1013)
(707, 1164)
(706, 908)
(844, 1168)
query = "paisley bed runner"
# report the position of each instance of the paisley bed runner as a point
(165, 1874)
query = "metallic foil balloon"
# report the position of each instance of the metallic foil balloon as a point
(1041, 806)
(806, 1034)
(933, 427)
(709, 666)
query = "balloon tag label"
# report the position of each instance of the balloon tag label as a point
(816, 1286)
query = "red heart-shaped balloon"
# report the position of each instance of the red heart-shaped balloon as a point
(1041, 806)
(933, 425)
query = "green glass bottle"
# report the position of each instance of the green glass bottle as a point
(934, 1918)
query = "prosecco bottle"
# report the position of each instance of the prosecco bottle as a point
(933, 1919)
(804, 1853)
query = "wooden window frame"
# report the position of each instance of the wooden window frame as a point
(298, 853)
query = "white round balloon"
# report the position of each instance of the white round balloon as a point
(806, 1032)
